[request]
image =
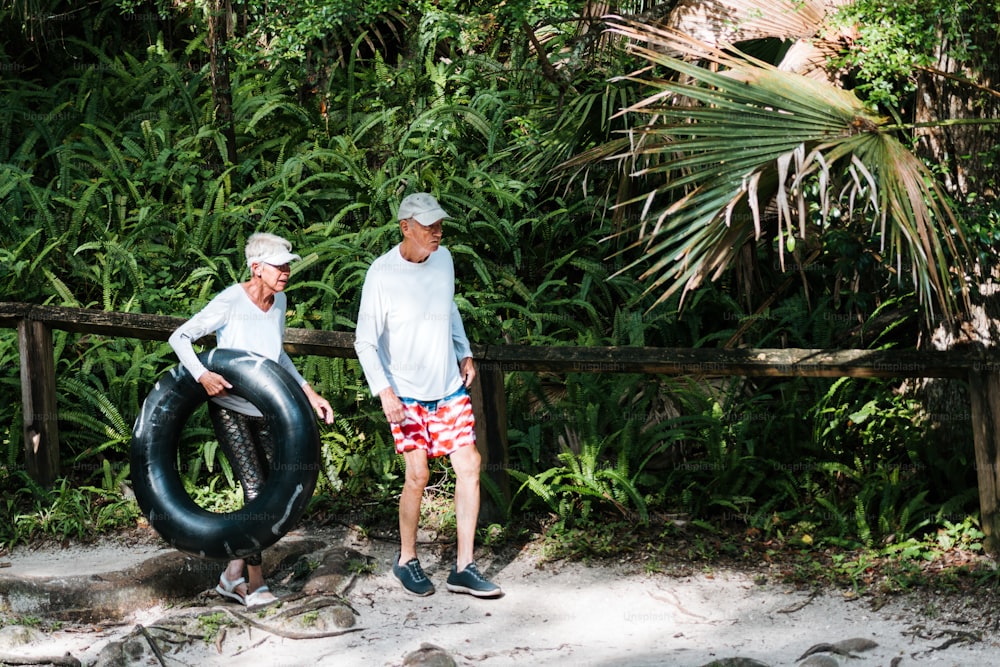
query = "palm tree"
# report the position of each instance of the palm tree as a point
(731, 139)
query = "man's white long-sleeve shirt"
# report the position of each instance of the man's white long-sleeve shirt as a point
(238, 324)
(410, 334)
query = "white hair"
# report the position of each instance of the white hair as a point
(262, 244)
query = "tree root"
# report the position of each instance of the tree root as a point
(956, 637)
(287, 634)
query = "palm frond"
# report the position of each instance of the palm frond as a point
(729, 139)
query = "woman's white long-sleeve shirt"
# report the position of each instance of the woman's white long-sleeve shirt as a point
(238, 324)
(410, 334)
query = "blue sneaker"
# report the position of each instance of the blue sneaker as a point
(412, 576)
(472, 582)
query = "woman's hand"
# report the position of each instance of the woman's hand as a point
(214, 384)
(319, 404)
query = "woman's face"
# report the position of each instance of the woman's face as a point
(274, 278)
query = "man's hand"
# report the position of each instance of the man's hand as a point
(468, 368)
(214, 384)
(392, 406)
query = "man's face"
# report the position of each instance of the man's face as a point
(426, 239)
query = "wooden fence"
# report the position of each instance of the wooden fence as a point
(979, 367)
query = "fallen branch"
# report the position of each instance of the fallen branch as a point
(152, 644)
(799, 605)
(221, 637)
(66, 660)
(186, 636)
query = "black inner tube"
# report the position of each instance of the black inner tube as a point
(292, 475)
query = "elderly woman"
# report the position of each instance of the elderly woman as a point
(246, 316)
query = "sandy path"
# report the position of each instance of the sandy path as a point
(560, 614)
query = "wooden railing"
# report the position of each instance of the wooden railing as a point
(981, 368)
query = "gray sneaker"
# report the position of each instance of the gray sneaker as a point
(412, 576)
(472, 582)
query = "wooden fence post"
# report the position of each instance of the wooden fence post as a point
(38, 398)
(984, 392)
(489, 403)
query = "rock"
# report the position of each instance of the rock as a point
(844, 647)
(112, 655)
(14, 636)
(819, 660)
(337, 567)
(856, 644)
(736, 662)
(316, 615)
(429, 655)
(111, 595)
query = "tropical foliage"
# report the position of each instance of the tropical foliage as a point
(785, 211)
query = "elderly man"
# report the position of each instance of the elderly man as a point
(417, 360)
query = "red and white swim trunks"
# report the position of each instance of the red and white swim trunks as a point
(438, 427)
